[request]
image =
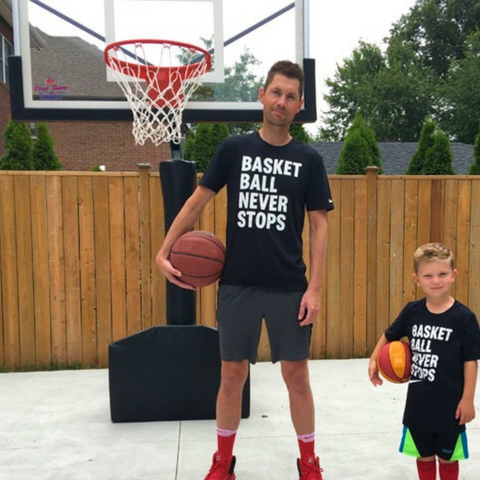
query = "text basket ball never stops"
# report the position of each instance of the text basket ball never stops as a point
(200, 257)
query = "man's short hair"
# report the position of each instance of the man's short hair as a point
(287, 69)
(432, 251)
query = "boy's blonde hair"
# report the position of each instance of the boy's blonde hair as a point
(430, 252)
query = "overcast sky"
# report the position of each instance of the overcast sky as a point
(336, 27)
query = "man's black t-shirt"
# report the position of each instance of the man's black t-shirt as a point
(268, 188)
(440, 344)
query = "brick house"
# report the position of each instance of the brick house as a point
(80, 145)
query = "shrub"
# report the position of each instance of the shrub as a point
(368, 133)
(18, 148)
(201, 145)
(297, 131)
(360, 150)
(475, 167)
(43, 154)
(425, 142)
(439, 158)
(354, 154)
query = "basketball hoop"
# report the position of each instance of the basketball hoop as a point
(156, 90)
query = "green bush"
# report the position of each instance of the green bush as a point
(475, 167)
(367, 132)
(425, 142)
(360, 150)
(439, 158)
(18, 148)
(354, 154)
(297, 131)
(201, 145)
(43, 154)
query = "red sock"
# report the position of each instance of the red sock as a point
(427, 470)
(307, 446)
(225, 441)
(449, 471)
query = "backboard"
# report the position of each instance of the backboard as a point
(58, 71)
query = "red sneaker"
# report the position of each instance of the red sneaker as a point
(310, 469)
(221, 469)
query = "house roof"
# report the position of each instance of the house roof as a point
(76, 64)
(395, 156)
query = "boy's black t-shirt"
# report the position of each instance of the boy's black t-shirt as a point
(440, 344)
(268, 190)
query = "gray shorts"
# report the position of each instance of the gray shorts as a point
(240, 313)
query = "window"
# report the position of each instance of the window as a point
(6, 50)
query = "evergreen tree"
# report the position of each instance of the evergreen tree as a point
(359, 150)
(439, 158)
(297, 131)
(475, 167)
(201, 145)
(43, 154)
(417, 161)
(18, 148)
(354, 155)
(367, 132)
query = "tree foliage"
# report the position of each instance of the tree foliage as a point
(394, 94)
(431, 67)
(240, 83)
(18, 148)
(475, 167)
(399, 97)
(461, 94)
(417, 161)
(43, 150)
(437, 31)
(353, 157)
(348, 88)
(297, 131)
(367, 132)
(439, 157)
(243, 128)
(201, 144)
(360, 149)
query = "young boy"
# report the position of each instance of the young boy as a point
(445, 342)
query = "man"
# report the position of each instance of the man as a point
(271, 180)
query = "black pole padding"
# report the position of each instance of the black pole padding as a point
(178, 179)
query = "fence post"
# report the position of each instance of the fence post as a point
(145, 248)
(372, 180)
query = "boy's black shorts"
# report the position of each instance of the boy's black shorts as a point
(426, 444)
(239, 314)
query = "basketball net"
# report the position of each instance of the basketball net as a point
(157, 92)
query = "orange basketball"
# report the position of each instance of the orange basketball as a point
(395, 362)
(200, 257)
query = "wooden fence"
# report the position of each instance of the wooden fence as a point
(77, 259)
